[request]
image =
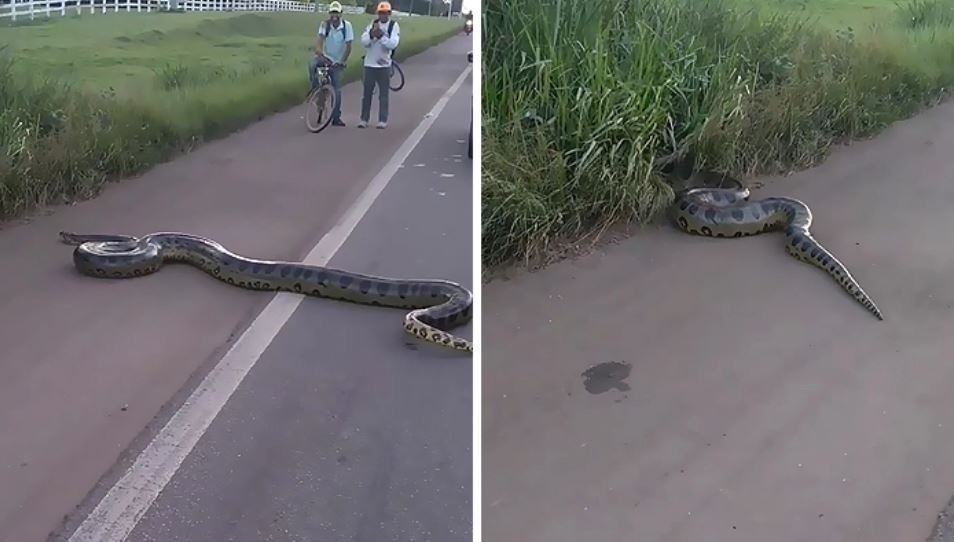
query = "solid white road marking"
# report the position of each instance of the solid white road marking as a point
(127, 501)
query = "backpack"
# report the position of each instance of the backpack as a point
(344, 34)
(390, 29)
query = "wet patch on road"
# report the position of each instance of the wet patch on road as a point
(607, 376)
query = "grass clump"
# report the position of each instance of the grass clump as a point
(918, 14)
(87, 99)
(585, 103)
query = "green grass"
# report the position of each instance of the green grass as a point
(867, 14)
(88, 99)
(831, 13)
(585, 102)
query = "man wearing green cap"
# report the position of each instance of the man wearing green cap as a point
(334, 46)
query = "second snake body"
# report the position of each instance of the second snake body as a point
(725, 212)
(436, 305)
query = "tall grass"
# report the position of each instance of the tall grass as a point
(585, 104)
(927, 13)
(62, 140)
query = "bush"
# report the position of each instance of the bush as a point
(585, 104)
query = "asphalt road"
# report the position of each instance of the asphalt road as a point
(336, 435)
(674, 388)
(86, 365)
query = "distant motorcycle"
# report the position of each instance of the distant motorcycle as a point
(468, 26)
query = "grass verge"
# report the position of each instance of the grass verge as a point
(585, 103)
(84, 100)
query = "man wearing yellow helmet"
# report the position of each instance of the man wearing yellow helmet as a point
(380, 39)
(333, 47)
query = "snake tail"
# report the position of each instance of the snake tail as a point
(435, 306)
(727, 212)
(804, 247)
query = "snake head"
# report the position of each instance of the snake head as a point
(71, 238)
(679, 185)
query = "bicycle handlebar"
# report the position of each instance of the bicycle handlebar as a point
(331, 63)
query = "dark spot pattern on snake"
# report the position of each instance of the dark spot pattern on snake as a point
(121, 256)
(700, 211)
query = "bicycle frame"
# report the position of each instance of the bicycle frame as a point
(322, 76)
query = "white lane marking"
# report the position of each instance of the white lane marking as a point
(127, 501)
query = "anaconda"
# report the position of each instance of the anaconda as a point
(727, 212)
(437, 305)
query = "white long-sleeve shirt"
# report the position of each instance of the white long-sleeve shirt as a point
(377, 52)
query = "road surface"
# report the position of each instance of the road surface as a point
(337, 437)
(86, 365)
(733, 393)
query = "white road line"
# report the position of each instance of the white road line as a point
(127, 501)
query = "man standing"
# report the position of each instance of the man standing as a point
(380, 39)
(334, 46)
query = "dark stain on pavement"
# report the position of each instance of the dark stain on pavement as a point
(606, 376)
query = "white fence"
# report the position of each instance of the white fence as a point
(14, 10)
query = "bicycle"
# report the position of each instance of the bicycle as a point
(396, 69)
(321, 100)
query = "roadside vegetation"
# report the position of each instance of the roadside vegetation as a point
(88, 99)
(586, 104)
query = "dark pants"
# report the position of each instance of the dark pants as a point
(335, 74)
(382, 78)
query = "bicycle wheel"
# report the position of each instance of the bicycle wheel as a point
(318, 108)
(396, 71)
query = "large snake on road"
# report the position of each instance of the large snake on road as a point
(437, 305)
(727, 212)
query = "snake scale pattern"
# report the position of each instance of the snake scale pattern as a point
(435, 305)
(727, 212)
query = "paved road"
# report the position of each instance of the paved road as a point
(751, 399)
(335, 435)
(85, 365)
